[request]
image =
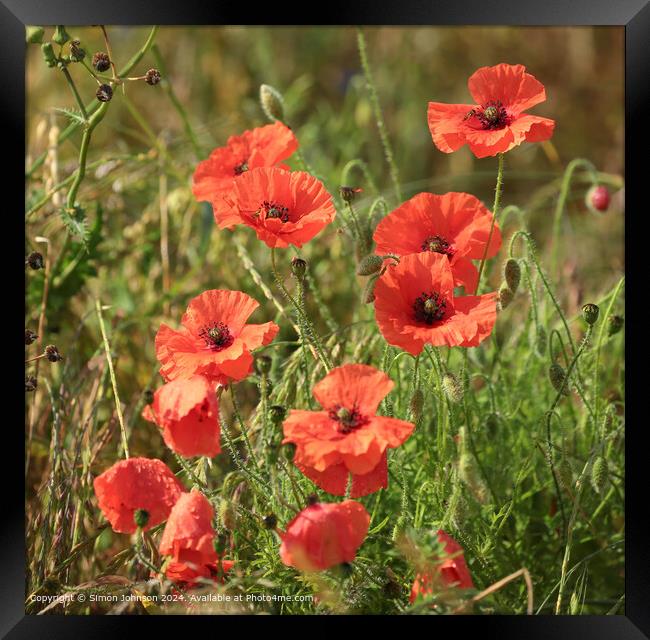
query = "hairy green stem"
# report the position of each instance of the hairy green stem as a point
(495, 211)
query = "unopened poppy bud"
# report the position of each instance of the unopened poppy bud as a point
(30, 383)
(368, 294)
(540, 341)
(599, 474)
(506, 295)
(452, 387)
(459, 511)
(270, 521)
(30, 336)
(277, 414)
(565, 473)
(141, 518)
(101, 61)
(60, 35)
(369, 265)
(557, 376)
(34, 35)
(512, 274)
(298, 267)
(35, 260)
(152, 77)
(104, 93)
(263, 364)
(614, 325)
(312, 499)
(598, 198)
(349, 193)
(590, 313)
(416, 403)
(48, 54)
(272, 103)
(52, 353)
(227, 515)
(148, 395)
(77, 54)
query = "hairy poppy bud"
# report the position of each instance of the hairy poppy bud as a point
(398, 529)
(30, 337)
(272, 103)
(416, 403)
(506, 295)
(598, 198)
(614, 325)
(557, 376)
(263, 364)
(48, 54)
(369, 265)
(469, 474)
(30, 383)
(152, 77)
(599, 474)
(277, 414)
(77, 54)
(590, 313)
(540, 341)
(148, 396)
(458, 511)
(101, 61)
(35, 260)
(34, 35)
(565, 473)
(52, 353)
(349, 193)
(512, 274)
(104, 93)
(227, 515)
(368, 294)
(298, 267)
(452, 387)
(141, 518)
(60, 35)
(270, 521)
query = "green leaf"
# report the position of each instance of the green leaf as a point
(76, 222)
(75, 117)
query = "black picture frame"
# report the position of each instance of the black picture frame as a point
(634, 15)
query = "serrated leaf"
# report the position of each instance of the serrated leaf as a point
(76, 223)
(74, 116)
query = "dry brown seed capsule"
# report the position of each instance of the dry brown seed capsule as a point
(30, 383)
(35, 260)
(77, 53)
(505, 295)
(30, 336)
(152, 77)
(101, 61)
(52, 353)
(104, 93)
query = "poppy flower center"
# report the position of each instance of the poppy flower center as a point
(430, 307)
(437, 244)
(348, 419)
(216, 336)
(240, 168)
(492, 115)
(273, 210)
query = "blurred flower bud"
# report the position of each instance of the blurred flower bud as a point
(298, 267)
(452, 387)
(52, 353)
(48, 54)
(368, 294)
(512, 274)
(152, 77)
(599, 474)
(590, 313)
(557, 376)
(60, 35)
(349, 193)
(598, 198)
(141, 518)
(30, 337)
(77, 53)
(505, 295)
(34, 35)
(30, 383)
(614, 325)
(35, 260)
(369, 265)
(416, 403)
(263, 364)
(272, 103)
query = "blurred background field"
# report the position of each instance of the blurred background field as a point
(154, 247)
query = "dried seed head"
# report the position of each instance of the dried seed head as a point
(368, 294)
(272, 103)
(270, 521)
(152, 77)
(48, 54)
(101, 61)
(614, 325)
(369, 265)
(263, 364)
(512, 274)
(506, 295)
(298, 267)
(598, 198)
(599, 474)
(557, 376)
(277, 414)
(52, 353)
(452, 387)
(141, 517)
(30, 383)
(30, 337)
(34, 35)
(77, 53)
(416, 403)
(35, 260)
(590, 313)
(227, 515)
(104, 93)
(60, 35)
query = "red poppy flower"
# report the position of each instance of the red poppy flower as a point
(188, 539)
(415, 305)
(187, 411)
(324, 535)
(346, 437)
(133, 484)
(261, 147)
(456, 225)
(447, 572)
(283, 207)
(496, 122)
(215, 340)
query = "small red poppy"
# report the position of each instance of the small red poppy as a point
(346, 437)
(324, 535)
(188, 539)
(456, 225)
(260, 147)
(215, 340)
(496, 122)
(187, 410)
(415, 305)
(282, 207)
(447, 572)
(134, 484)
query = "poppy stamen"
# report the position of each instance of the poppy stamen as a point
(430, 308)
(491, 115)
(217, 336)
(348, 420)
(240, 168)
(438, 244)
(273, 210)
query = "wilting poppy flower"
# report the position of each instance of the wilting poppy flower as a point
(188, 539)
(346, 437)
(496, 122)
(135, 484)
(415, 305)
(215, 340)
(324, 535)
(187, 411)
(444, 573)
(456, 225)
(261, 147)
(283, 207)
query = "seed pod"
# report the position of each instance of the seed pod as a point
(614, 325)
(452, 387)
(30, 383)
(263, 364)
(227, 515)
(35, 260)
(60, 35)
(48, 54)
(52, 353)
(512, 274)
(416, 403)
(148, 396)
(104, 93)
(77, 53)
(590, 313)
(599, 474)
(34, 35)
(298, 268)
(152, 77)
(277, 414)
(506, 296)
(565, 473)
(557, 376)
(368, 294)
(349, 193)
(272, 103)
(369, 265)
(30, 337)
(101, 61)
(270, 521)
